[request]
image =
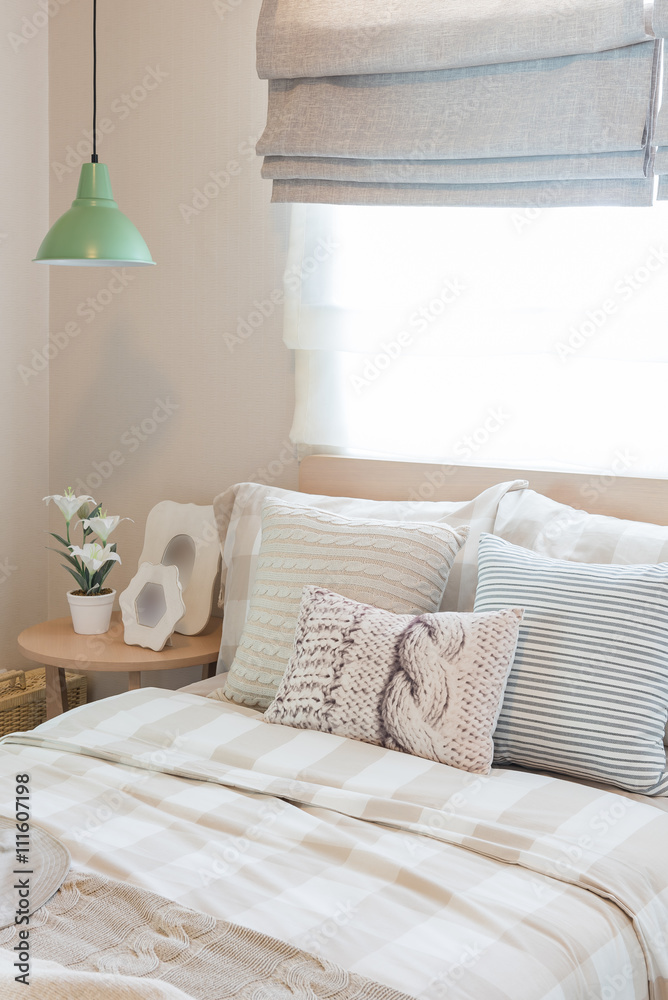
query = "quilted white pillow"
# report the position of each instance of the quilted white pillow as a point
(238, 514)
(400, 567)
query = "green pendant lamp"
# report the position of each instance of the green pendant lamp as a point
(94, 232)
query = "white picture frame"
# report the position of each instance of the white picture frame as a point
(151, 605)
(185, 534)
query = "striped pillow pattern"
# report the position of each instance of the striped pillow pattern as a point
(399, 566)
(588, 691)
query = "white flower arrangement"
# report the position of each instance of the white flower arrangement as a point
(91, 562)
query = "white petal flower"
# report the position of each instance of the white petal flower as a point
(94, 556)
(103, 526)
(68, 504)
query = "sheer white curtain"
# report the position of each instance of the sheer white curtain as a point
(533, 338)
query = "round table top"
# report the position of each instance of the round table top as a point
(57, 644)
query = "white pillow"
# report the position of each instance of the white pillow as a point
(238, 514)
(397, 566)
(556, 530)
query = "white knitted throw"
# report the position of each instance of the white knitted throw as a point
(430, 685)
(95, 926)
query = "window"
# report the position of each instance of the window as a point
(526, 338)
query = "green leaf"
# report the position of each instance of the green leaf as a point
(71, 559)
(101, 573)
(105, 571)
(58, 538)
(81, 584)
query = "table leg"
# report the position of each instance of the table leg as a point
(134, 680)
(209, 670)
(56, 691)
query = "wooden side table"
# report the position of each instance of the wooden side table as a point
(57, 646)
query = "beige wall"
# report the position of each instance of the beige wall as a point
(24, 393)
(179, 99)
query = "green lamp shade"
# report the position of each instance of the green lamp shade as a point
(94, 232)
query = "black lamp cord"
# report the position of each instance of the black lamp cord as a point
(93, 158)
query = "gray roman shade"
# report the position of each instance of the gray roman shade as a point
(471, 102)
(661, 135)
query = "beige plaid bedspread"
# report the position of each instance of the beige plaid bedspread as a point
(436, 882)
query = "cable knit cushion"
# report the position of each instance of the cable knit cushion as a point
(401, 567)
(430, 685)
(238, 515)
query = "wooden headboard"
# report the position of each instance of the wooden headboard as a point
(617, 496)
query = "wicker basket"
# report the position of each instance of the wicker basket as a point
(23, 698)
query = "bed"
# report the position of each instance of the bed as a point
(426, 879)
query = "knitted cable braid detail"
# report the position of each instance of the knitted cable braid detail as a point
(430, 685)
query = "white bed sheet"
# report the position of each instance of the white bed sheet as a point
(427, 917)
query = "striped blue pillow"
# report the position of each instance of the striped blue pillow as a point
(588, 691)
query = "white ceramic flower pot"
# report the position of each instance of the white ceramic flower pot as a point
(91, 615)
